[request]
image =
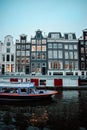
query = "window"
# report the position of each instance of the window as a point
(82, 50)
(33, 41)
(66, 65)
(12, 57)
(71, 55)
(49, 65)
(27, 46)
(33, 55)
(55, 36)
(49, 45)
(55, 45)
(23, 41)
(55, 54)
(27, 53)
(71, 66)
(43, 48)
(38, 41)
(23, 47)
(66, 46)
(8, 43)
(86, 43)
(43, 55)
(8, 50)
(8, 58)
(82, 58)
(22, 53)
(8, 68)
(49, 54)
(43, 41)
(18, 46)
(76, 65)
(86, 49)
(38, 55)
(60, 65)
(38, 48)
(3, 57)
(82, 65)
(60, 45)
(66, 55)
(70, 36)
(12, 68)
(75, 55)
(18, 53)
(75, 46)
(60, 54)
(81, 42)
(70, 47)
(33, 48)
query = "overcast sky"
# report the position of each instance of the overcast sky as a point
(26, 16)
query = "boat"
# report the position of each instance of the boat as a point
(23, 91)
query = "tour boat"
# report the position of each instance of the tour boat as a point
(23, 92)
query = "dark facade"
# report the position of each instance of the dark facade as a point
(62, 52)
(39, 53)
(83, 52)
(23, 55)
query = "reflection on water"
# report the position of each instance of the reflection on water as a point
(67, 111)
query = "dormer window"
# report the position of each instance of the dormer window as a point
(70, 36)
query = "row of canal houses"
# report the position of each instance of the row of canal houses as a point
(54, 55)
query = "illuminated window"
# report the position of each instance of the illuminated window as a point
(33, 48)
(43, 41)
(66, 65)
(43, 55)
(43, 48)
(38, 48)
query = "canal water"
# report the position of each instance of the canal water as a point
(67, 111)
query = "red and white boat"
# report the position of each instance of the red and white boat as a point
(23, 92)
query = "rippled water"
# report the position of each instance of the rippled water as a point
(68, 111)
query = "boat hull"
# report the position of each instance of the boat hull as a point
(26, 97)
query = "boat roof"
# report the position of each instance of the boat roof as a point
(17, 85)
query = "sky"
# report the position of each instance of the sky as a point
(27, 16)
